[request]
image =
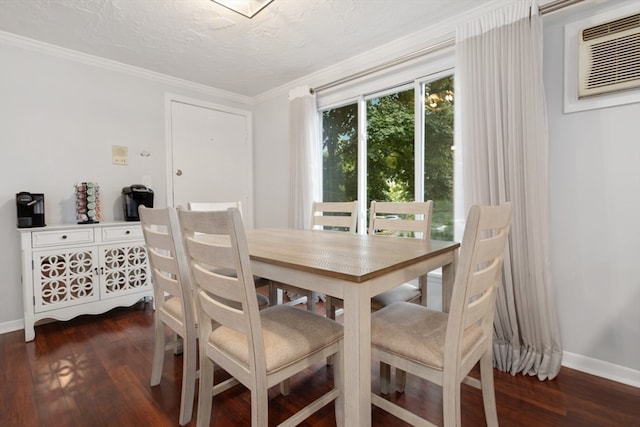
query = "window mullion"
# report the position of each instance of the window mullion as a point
(419, 141)
(362, 165)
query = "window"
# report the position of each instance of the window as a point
(340, 154)
(438, 155)
(390, 147)
(388, 157)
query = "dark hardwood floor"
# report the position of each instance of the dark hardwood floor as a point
(94, 371)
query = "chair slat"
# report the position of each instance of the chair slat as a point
(218, 285)
(335, 214)
(419, 223)
(204, 252)
(161, 261)
(478, 309)
(481, 280)
(168, 284)
(224, 314)
(490, 248)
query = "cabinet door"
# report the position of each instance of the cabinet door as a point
(123, 270)
(64, 277)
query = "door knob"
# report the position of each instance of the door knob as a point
(179, 172)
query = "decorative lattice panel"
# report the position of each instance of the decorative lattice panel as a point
(66, 277)
(125, 268)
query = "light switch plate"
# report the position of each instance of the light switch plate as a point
(120, 154)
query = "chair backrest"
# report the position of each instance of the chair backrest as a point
(334, 216)
(215, 242)
(407, 219)
(169, 271)
(478, 275)
(214, 206)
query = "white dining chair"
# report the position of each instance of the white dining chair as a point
(328, 216)
(173, 300)
(443, 347)
(214, 206)
(258, 348)
(174, 308)
(334, 216)
(223, 206)
(401, 219)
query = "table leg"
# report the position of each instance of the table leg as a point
(448, 279)
(357, 357)
(275, 294)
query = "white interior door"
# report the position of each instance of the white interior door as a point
(210, 155)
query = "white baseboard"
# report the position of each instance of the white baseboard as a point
(602, 369)
(11, 326)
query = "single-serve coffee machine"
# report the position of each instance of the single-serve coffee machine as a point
(134, 196)
(30, 208)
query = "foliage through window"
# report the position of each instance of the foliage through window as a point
(340, 154)
(390, 148)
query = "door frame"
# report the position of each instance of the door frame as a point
(247, 211)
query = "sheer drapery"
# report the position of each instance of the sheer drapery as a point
(304, 156)
(504, 146)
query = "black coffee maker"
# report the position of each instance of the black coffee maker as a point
(30, 208)
(134, 196)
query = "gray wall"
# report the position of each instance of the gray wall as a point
(595, 221)
(58, 121)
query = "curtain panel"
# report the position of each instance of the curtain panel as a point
(504, 145)
(304, 156)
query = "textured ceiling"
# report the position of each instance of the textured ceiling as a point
(200, 41)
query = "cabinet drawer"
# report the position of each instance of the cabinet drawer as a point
(127, 232)
(62, 237)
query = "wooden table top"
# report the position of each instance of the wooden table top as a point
(346, 256)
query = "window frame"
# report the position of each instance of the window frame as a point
(434, 70)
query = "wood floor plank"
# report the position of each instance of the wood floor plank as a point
(95, 371)
(19, 403)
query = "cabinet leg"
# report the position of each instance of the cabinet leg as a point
(29, 332)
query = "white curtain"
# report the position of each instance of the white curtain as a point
(504, 145)
(304, 156)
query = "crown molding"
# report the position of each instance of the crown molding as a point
(429, 36)
(14, 40)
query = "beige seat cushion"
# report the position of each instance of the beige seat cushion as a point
(173, 306)
(405, 292)
(416, 333)
(290, 334)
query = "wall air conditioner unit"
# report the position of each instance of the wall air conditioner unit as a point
(609, 57)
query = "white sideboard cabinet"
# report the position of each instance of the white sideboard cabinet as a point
(69, 270)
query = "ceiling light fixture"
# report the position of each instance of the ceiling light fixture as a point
(248, 8)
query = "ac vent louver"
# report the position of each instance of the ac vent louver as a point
(609, 57)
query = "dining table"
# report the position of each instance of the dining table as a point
(353, 267)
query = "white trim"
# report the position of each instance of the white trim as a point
(571, 34)
(107, 64)
(299, 92)
(11, 326)
(602, 369)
